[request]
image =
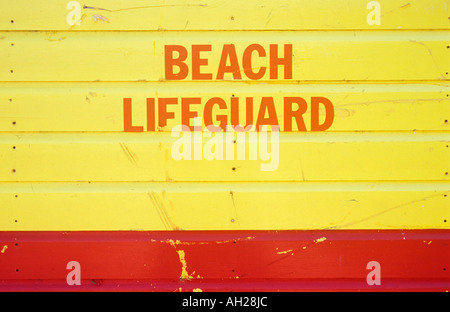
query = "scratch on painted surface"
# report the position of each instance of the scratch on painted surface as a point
(197, 290)
(162, 212)
(145, 7)
(129, 153)
(234, 206)
(431, 54)
(383, 212)
(4, 249)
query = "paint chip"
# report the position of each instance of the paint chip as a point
(284, 252)
(4, 249)
(319, 240)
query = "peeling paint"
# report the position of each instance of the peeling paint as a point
(284, 252)
(4, 249)
(197, 290)
(184, 273)
(178, 242)
(319, 240)
(98, 17)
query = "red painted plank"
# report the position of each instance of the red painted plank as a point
(226, 260)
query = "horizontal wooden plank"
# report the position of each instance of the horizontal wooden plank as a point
(170, 206)
(169, 288)
(222, 15)
(139, 56)
(307, 258)
(71, 107)
(154, 156)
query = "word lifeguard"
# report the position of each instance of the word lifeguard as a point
(218, 112)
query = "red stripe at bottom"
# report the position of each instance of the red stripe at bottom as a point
(411, 260)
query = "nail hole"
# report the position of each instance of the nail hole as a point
(14, 170)
(17, 270)
(234, 168)
(12, 71)
(234, 242)
(10, 100)
(12, 44)
(15, 221)
(16, 196)
(13, 122)
(232, 270)
(232, 220)
(232, 18)
(446, 173)
(14, 147)
(16, 244)
(12, 21)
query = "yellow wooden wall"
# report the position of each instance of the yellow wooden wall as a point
(67, 164)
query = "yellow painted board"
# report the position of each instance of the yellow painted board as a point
(223, 206)
(139, 56)
(222, 15)
(71, 107)
(321, 156)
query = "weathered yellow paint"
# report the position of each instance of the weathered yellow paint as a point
(66, 164)
(223, 15)
(224, 206)
(71, 107)
(139, 56)
(148, 157)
